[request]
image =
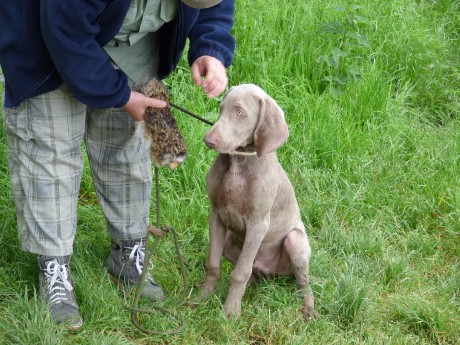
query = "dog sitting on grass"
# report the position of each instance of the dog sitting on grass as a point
(254, 219)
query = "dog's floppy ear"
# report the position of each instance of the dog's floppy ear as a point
(271, 131)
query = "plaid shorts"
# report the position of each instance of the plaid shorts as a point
(44, 135)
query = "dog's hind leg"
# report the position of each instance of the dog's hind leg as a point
(297, 248)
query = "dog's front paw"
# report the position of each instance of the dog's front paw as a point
(208, 286)
(232, 309)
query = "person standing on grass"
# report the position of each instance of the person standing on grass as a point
(70, 68)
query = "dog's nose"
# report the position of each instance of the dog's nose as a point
(210, 141)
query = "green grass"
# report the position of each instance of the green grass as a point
(375, 165)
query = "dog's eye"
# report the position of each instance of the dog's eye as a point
(239, 112)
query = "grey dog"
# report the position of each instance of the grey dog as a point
(254, 219)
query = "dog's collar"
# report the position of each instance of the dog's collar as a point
(242, 153)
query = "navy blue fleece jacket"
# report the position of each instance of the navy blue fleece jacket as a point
(44, 43)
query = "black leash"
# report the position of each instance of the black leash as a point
(191, 114)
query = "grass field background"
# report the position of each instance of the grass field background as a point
(371, 94)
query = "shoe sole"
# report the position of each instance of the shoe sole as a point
(76, 326)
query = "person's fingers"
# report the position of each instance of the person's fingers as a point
(155, 103)
(138, 103)
(210, 74)
(215, 89)
(196, 73)
(215, 83)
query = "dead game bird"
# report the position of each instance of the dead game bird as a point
(167, 143)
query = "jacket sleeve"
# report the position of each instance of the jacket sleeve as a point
(71, 31)
(211, 33)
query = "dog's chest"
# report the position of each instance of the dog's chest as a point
(232, 201)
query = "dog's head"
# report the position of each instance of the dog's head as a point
(248, 116)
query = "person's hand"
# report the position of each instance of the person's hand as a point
(138, 103)
(215, 75)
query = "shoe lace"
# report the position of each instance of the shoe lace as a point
(58, 281)
(138, 254)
